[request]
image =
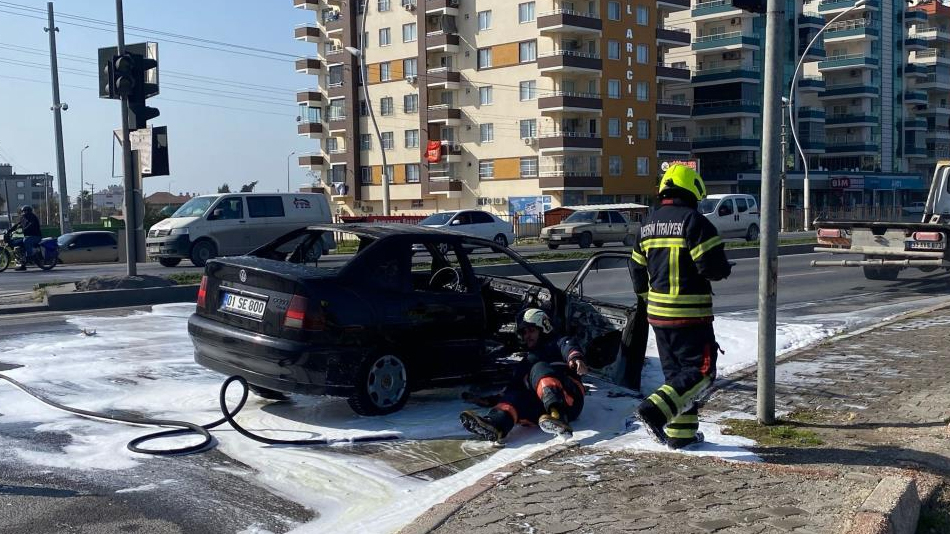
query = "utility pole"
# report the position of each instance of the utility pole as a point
(131, 218)
(57, 109)
(768, 249)
(783, 201)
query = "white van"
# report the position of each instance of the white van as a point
(231, 224)
(733, 215)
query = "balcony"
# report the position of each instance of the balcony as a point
(931, 34)
(670, 73)
(935, 111)
(940, 133)
(313, 130)
(848, 61)
(729, 74)
(851, 30)
(915, 16)
(442, 7)
(564, 101)
(915, 44)
(671, 36)
(714, 9)
(569, 181)
(915, 97)
(857, 90)
(933, 81)
(673, 109)
(336, 55)
(307, 32)
(312, 161)
(718, 143)
(915, 124)
(726, 109)
(814, 53)
(444, 185)
(931, 56)
(673, 144)
(443, 78)
(811, 20)
(451, 152)
(811, 84)
(560, 141)
(814, 144)
(338, 124)
(569, 61)
(568, 21)
(913, 151)
(915, 71)
(444, 114)
(830, 7)
(721, 42)
(439, 41)
(852, 145)
(333, 21)
(843, 120)
(312, 5)
(308, 65)
(672, 6)
(310, 98)
(811, 114)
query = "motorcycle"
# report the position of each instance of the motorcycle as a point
(45, 253)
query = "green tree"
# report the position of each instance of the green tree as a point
(247, 188)
(224, 188)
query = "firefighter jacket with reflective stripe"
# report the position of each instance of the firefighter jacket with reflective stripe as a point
(681, 252)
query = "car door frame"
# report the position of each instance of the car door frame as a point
(222, 230)
(729, 224)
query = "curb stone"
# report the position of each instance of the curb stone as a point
(892, 508)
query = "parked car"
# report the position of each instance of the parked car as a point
(393, 319)
(914, 208)
(88, 247)
(230, 224)
(590, 227)
(475, 223)
(733, 215)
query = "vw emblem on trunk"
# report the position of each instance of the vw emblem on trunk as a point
(243, 275)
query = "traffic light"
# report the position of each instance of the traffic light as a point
(123, 75)
(752, 6)
(140, 114)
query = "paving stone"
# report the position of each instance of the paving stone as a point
(784, 511)
(485, 519)
(787, 524)
(674, 508)
(751, 517)
(714, 525)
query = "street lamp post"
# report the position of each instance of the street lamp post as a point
(792, 109)
(92, 201)
(81, 181)
(358, 54)
(288, 169)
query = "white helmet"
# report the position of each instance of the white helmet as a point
(535, 317)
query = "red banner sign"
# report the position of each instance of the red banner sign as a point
(434, 152)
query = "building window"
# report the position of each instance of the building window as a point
(410, 67)
(613, 88)
(21, 184)
(364, 109)
(643, 91)
(383, 5)
(643, 15)
(409, 32)
(447, 133)
(643, 54)
(386, 106)
(385, 39)
(613, 128)
(528, 90)
(410, 103)
(388, 141)
(485, 95)
(484, 58)
(526, 12)
(332, 145)
(385, 72)
(486, 169)
(412, 173)
(613, 10)
(615, 166)
(529, 167)
(486, 132)
(366, 142)
(336, 110)
(484, 20)
(529, 128)
(643, 129)
(20, 196)
(528, 51)
(643, 166)
(613, 49)
(412, 138)
(366, 176)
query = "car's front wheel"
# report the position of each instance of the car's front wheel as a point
(501, 240)
(382, 386)
(169, 262)
(202, 251)
(585, 240)
(552, 246)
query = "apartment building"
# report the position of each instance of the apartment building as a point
(871, 98)
(18, 190)
(502, 104)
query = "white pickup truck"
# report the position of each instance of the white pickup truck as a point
(885, 247)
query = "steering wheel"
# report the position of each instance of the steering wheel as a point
(448, 284)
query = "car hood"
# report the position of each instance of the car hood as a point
(568, 226)
(174, 222)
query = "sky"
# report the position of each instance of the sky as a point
(236, 137)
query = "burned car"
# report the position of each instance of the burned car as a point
(398, 315)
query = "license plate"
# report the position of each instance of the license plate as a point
(556, 237)
(241, 305)
(925, 245)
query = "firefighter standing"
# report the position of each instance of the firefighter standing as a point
(681, 252)
(545, 388)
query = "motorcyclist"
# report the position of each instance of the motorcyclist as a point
(29, 224)
(545, 389)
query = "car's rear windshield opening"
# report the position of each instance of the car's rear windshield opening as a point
(581, 216)
(308, 247)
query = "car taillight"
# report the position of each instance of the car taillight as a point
(299, 316)
(829, 232)
(928, 236)
(835, 237)
(203, 292)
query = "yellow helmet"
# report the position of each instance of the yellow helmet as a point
(685, 178)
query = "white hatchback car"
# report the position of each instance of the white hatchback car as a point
(733, 215)
(475, 223)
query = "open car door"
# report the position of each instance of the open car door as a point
(606, 317)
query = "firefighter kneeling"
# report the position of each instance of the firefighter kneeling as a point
(546, 388)
(680, 252)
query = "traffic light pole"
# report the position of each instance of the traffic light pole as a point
(131, 218)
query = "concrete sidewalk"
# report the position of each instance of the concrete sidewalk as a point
(864, 442)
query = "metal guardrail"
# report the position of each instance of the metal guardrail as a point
(572, 53)
(723, 36)
(568, 12)
(569, 93)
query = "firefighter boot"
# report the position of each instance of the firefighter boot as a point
(685, 443)
(555, 422)
(481, 426)
(653, 420)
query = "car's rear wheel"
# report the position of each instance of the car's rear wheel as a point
(628, 240)
(169, 262)
(881, 273)
(382, 386)
(753, 233)
(552, 246)
(501, 240)
(202, 251)
(269, 394)
(585, 240)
